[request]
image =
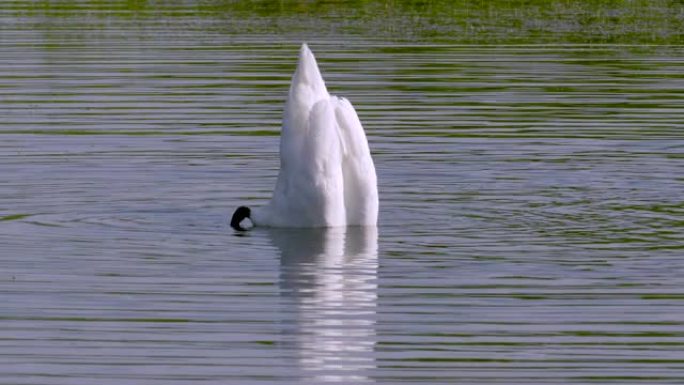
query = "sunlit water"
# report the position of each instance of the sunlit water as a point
(531, 226)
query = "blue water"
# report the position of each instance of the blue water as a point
(530, 224)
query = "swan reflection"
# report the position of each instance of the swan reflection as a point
(329, 276)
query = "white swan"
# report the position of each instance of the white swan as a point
(327, 177)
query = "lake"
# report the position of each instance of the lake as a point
(531, 178)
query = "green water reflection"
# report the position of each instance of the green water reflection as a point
(461, 21)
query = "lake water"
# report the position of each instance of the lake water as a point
(531, 223)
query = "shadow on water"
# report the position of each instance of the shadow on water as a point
(328, 279)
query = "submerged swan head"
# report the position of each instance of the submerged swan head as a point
(239, 215)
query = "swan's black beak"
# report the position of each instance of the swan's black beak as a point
(239, 215)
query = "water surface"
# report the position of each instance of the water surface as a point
(530, 225)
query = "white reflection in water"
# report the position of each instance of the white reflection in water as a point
(329, 277)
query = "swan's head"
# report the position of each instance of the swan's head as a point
(239, 215)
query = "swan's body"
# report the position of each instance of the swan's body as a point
(327, 177)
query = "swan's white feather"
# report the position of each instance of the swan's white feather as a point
(360, 180)
(327, 177)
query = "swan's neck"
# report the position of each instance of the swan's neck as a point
(260, 216)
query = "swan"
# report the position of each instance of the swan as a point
(327, 177)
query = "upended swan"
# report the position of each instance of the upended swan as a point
(327, 177)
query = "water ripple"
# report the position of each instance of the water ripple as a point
(530, 227)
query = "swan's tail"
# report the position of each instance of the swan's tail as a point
(306, 90)
(308, 77)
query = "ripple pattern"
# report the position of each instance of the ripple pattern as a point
(531, 208)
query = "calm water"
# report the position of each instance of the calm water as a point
(531, 226)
